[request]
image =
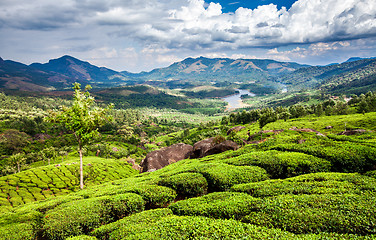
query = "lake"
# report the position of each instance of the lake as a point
(234, 101)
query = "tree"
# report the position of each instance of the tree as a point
(17, 160)
(82, 119)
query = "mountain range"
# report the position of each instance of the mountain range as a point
(60, 73)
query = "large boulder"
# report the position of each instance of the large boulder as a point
(160, 158)
(211, 146)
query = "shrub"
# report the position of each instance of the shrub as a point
(186, 184)
(189, 227)
(221, 176)
(315, 183)
(79, 217)
(25, 231)
(340, 213)
(371, 174)
(216, 205)
(82, 237)
(344, 156)
(133, 223)
(282, 164)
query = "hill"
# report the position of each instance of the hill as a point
(295, 184)
(222, 69)
(349, 77)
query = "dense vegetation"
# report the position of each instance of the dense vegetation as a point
(303, 171)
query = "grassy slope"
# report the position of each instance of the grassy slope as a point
(258, 191)
(55, 180)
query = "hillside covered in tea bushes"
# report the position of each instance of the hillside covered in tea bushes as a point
(298, 179)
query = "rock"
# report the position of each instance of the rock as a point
(134, 164)
(160, 158)
(208, 147)
(235, 129)
(352, 132)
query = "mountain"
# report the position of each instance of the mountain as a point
(18, 76)
(353, 59)
(352, 76)
(222, 69)
(75, 70)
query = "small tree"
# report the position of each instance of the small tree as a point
(82, 119)
(17, 160)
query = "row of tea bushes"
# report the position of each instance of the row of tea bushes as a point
(162, 224)
(55, 180)
(315, 183)
(282, 164)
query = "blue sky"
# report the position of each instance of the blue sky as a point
(139, 35)
(233, 5)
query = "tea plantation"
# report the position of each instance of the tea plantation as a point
(294, 184)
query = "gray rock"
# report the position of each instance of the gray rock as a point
(160, 158)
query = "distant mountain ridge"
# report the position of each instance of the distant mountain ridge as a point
(220, 69)
(60, 73)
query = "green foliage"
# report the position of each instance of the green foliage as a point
(186, 184)
(344, 157)
(341, 213)
(80, 217)
(82, 237)
(282, 164)
(314, 183)
(25, 231)
(132, 224)
(49, 181)
(222, 176)
(217, 205)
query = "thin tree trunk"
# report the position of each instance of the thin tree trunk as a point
(18, 167)
(81, 170)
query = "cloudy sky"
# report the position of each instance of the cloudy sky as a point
(139, 35)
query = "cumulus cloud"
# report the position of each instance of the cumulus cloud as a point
(194, 24)
(188, 26)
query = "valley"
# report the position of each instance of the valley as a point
(302, 163)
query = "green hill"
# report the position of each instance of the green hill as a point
(59, 179)
(295, 184)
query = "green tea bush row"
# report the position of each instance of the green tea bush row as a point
(18, 231)
(79, 217)
(153, 195)
(314, 183)
(186, 184)
(44, 182)
(340, 213)
(344, 156)
(221, 176)
(161, 224)
(133, 223)
(282, 164)
(217, 205)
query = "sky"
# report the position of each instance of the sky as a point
(139, 35)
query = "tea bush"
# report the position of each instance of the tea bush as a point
(316, 213)
(315, 183)
(282, 164)
(79, 217)
(49, 181)
(221, 176)
(153, 195)
(133, 223)
(186, 184)
(217, 205)
(344, 156)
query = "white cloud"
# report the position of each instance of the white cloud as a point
(162, 29)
